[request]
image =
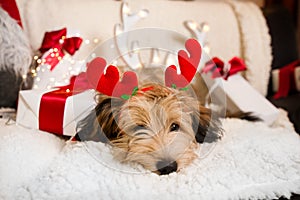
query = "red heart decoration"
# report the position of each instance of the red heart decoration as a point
(179, 80)
(104, 83)
(188, 65)
(126, 86)
(109, 83)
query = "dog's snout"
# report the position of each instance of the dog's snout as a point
(165, 167)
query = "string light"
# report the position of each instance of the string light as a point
(132, 59)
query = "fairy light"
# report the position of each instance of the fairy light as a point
(126, 9)
(205, 27)
(206, 48)
(96, 40)
(129, 19)
(47, 78)
(143, 14)
(197, 31)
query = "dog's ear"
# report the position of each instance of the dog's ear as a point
(207, 128)
(100, 124)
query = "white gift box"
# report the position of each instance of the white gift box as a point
(275, 79)
(76, 108)
(241, 96)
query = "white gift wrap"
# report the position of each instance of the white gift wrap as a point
(247, 99)
(76, 108)
(275, 79)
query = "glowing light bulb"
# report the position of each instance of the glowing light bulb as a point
(24, 76)
(156, 59)
(35, 57)
(96, 40)
(126, 9)
(206, 49)
(143, 13)
(193, 25)
(205, 27)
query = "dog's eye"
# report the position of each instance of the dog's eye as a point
(174, 127)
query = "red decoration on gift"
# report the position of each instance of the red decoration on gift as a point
(286, 80)
(220, 69)
(52, 106)
(188, 65)
(59, 43)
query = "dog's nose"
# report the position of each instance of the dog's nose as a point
(166, 167)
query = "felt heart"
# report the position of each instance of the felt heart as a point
(188, 65)
(177, 80)
(109, 83)
(104, 83)
(126, 85)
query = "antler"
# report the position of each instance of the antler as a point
(107, 79)
(188, 65)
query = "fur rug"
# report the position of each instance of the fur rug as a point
(252, 161)
(15, 59)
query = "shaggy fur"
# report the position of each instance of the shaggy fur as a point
(15, 59)
(159, 129)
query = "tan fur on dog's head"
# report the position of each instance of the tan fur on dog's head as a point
(159, 128)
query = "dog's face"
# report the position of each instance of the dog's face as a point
(159, 128)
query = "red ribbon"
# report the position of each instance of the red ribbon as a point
(52, 106)
(218, 68)
(57, 39)
(286, 80)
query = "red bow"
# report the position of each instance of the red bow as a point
(220, 69)
(58, 40)
(286, 79)
(52, 106)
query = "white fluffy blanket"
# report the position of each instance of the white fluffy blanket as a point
(252, 161)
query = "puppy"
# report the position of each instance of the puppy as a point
(159, 127)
